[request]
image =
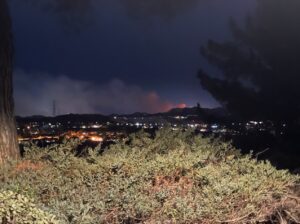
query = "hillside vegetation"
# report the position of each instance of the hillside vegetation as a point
(174, 177)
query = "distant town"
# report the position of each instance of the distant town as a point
(96, 129)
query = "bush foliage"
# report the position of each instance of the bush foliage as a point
(174, 177)
(15, 208)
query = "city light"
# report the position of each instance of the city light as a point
(96, 139)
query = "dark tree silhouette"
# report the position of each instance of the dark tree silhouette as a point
(260, 66)
(8, 137)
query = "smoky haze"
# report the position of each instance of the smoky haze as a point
(76, 96)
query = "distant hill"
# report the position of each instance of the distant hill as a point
(204, 114)
(188, 111)
(136, 114)
(66, 118)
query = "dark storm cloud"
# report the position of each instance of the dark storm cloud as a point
(165, 9)
(74, 15)
(35, 93)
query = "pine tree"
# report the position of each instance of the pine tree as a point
(260, 66)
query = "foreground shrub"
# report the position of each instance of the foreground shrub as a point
(174, 177)
(15, 208)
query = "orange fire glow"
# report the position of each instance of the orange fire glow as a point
(182, 105)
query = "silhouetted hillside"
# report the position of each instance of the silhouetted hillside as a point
(66, 118)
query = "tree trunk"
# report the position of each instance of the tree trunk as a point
(9, 148)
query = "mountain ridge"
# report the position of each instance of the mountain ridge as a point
(205, 113)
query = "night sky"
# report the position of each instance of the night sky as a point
(114, 57)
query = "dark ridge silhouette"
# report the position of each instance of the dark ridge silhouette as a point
(204, 114)
(65, 118)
